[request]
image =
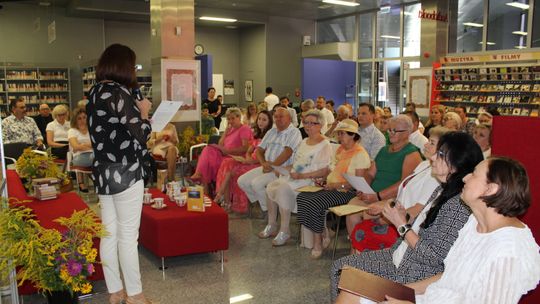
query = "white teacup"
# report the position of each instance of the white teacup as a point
(147, 198)
(158, 202)
(146, 190)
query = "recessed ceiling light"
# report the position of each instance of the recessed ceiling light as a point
(520, 5)
(389, 37)
(472, 24)
(488, 43)
(340, 2)
(219, 19)
(520, 47)
(240, 298)
(522, 33)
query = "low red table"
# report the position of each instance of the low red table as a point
(174, 231)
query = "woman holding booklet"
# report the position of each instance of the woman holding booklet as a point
(350, 158)
(311, 160)
(424, 242)
(392, 165)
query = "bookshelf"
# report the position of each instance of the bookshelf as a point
(89, 80)
(36, 85)
(514, 89)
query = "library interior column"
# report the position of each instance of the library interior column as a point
(434, 18)
(172, 36)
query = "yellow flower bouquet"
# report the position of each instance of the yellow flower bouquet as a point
(52, 260)
(32, 165)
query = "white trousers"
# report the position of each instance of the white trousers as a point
(121, 216)
(254, 182)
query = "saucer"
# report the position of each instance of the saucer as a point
(155, 207)
(150, 203)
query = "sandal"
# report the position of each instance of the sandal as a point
(118, 297)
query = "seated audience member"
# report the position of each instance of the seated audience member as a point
(208, 126)
(393, 163)
(262, 106)
(420, 252)
(228, 193)
(350, 158)
(43, 119)
(413, 193)
(79, 144)
(416, 138)
(250, 118)
(17, 128)
(330, 106)
(57, 136)
(162, 145)
(342, 114)
(305, 106)
(311, 160)
(385, 126)
(284, 101)
(495, 258)
(452, 121)
(379, 113)
(467, 125)
(234, 141)
(485, 118)
(328, 116)
(435, 118)
(275, 149)
(387, 110)
(482, 135)
(411, 106)
(372, 139)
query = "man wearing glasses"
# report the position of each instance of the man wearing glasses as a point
(18, 128)
(370, 137)
(43, 119)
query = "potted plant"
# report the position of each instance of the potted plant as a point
(57, 263)
(32, 165)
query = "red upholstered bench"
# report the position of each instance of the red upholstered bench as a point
(46, 212)
(174, 231)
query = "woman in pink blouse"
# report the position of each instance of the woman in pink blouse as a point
(234, 142)
(228, 191)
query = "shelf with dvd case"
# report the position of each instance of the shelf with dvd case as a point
(50, 85)
(512, 89)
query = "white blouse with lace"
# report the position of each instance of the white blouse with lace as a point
(496, 267)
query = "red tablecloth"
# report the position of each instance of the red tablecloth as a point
(46, 212)
(175, 231)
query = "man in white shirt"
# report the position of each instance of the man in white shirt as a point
(371, 138)
(271, 99)
(18, 128)
(328, 116)
(284, 101)
(411, 106)
(342, 113)
(416, 138)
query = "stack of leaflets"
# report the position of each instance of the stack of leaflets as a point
(44, 188)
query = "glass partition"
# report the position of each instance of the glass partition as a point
(507, 24)
(411, 30)
(336, 30)
(466, 26)
(365, 35)
(388, 32)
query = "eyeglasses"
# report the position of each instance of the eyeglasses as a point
(394, 131)
(441, 154)
(311, 123)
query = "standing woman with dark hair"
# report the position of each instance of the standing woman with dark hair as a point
(119, 129)
(214, 106)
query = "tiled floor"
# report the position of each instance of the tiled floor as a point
(271, 275)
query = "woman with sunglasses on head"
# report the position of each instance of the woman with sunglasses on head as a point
(392, 164)
(425, 241)
(495, 258)
(351, 158)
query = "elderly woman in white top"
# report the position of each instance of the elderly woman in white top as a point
(79, 143)
(311, 160)
(452, 121)
(495, 258)
(57, 130)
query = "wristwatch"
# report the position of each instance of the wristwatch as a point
(403, 229)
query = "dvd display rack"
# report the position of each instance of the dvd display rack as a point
(89, 80)
(36, 85)
(513, 89)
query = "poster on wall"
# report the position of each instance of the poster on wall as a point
(228, 87)
(419, 91)
(182, 82)
(248, 90)
(51, 32)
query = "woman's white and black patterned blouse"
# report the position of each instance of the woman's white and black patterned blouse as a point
(118, 135)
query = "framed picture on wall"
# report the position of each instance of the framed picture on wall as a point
(248, 90)
(181, 82)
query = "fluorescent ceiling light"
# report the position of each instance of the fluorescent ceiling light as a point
(472, 24)
(240, 298)
(389, 37)
(340, 2)
(408, 13)
(217, 19)
(520, 5)
(522, 33)
(520, 47)
(488, 43)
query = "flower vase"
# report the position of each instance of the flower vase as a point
(62, 297)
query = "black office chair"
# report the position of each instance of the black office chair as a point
(12, 151)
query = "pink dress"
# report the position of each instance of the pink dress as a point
(237, 197)
(211, 157)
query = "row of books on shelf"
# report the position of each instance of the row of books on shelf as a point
(501, 87)
(486, 77)
(492, 98)
(516, 111)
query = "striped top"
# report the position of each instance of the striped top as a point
(275, 141)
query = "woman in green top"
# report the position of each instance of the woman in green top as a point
(393, 163)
